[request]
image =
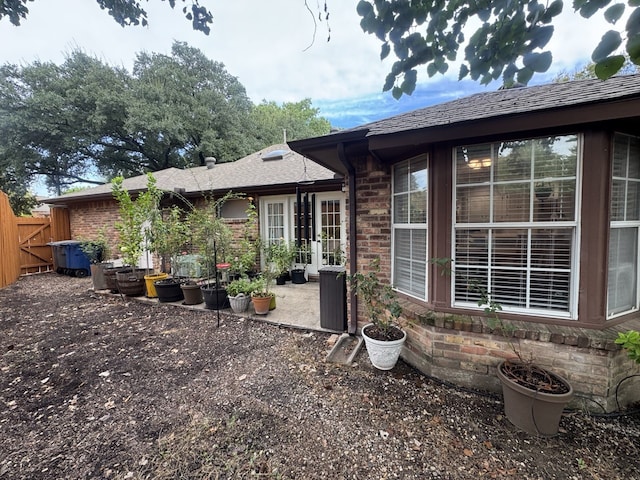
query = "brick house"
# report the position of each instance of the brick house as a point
(276, 179)
(533, 194)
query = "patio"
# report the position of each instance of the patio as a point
(297, 306)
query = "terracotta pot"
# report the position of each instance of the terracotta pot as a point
(534, 412)
(261, 304)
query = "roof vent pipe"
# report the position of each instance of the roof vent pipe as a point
(210, 162)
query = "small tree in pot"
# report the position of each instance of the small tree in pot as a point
(134, 214)
(279, 255)
(169, 233)
(212, 238)
(383, 337)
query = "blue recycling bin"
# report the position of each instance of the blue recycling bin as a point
(69, 259)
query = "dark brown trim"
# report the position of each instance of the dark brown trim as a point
(441, 206)
(594, 234)
(353, 235)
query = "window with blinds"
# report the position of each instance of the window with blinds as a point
(410, 227)
(622, 291)
(515, 224)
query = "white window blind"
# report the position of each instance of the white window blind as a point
(515, 224)
(410, 227)
(622, 291)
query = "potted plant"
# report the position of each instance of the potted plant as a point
(97, 251)
(302, 258)
(534, 397)
(244, 253)
(212, 238)
(168, 234)
(280, 256)
(261, 297)
(239, 291)
(134, 214)
(383, 336)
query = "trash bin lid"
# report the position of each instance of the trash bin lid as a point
(64, 242)
(332, 269)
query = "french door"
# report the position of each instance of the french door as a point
(315, 222)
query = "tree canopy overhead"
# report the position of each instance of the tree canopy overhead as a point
(509, 43)
(124, 12)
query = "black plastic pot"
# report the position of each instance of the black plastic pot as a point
(215, 298)
(168, 290)
(297, 276)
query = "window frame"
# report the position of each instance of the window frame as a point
(623, 224)
(395, 226)
(530, 226)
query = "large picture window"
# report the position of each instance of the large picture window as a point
(622, 292)
(515, 224)
(410, 227)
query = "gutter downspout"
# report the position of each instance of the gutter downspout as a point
(353, 235)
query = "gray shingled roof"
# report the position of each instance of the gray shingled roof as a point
(502, 103)
(242, 175)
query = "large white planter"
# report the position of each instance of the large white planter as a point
(383, 354)
(239, 303)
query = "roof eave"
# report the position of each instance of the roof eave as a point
(323, 150)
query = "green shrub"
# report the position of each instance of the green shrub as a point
(631, 342)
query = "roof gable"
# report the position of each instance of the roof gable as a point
(244, 174)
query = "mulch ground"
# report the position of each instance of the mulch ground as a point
(95, 386)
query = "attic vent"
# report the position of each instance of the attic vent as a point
(275, 155)
(210, 162)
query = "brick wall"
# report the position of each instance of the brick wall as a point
(89, 218)
(464, 349)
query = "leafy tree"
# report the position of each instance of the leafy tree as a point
(125, 12)
(588, 71)
(83, 120)
(46, 117)
(12, 183)
(298, 119)
(176, 110)
(509, 43)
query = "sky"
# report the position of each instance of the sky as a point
(269, 45)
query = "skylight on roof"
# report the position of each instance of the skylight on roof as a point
(275, 155)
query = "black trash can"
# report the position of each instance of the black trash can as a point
(333, 298)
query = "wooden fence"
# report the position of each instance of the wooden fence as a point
(23, 241)
(9, 246)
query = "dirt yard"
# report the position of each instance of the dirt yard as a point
(95, 386)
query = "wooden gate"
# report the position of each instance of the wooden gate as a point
(23, 241)
(33, 236)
